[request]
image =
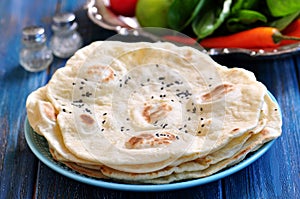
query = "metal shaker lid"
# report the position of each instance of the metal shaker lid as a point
(64, 21)
(34, 33)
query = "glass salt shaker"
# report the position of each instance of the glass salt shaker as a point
(34, 55)
(65, 40)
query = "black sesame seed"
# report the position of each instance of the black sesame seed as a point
(161, 78)
(201, 109)
(157, 135)
(142, 85)
(177, 137)
(180, 129)
(172, 100)
(184, 126)
(152, 97)
(73, 83)
(103, 121)
(202, 118)
(80, 87)
(202, 125)
(199, 132)
(189, 118)
(186, 131)
(156, 65)
(162, 88)
(104, 114)
(82, 82)
(64, 110)
(102, 129)
(148, 80)
(275, 109)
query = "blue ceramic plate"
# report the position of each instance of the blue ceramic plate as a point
(39, 147)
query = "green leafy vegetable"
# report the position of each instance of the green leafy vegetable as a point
(182, 12)
(283, 22)
(242, 4)
(280, 8)
(211, 18)
(243, 18)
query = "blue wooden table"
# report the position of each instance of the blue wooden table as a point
(275, 175)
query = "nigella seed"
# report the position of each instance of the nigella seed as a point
(202, 125)
(164, 95)
(102, 129)
(142, 85)
(209, 85)
(120, 85)
(157, 135)
(186, 131)
(180, 129)
(80, 87)
(275, 109)
(64, 110)
(73, 83)
(82, 82)
(127, 119)
(194, 110)
(104, 114)
(161, 78)
(177, 137)
(172, 100)
(201, 109)
(127, 129)
(85, 79)
(199, 132)
(202, 118)
(152, 97)
(189, 118)
(156, 65)
(103, 121)
(148, 80)
(184, 126)
(162, 88)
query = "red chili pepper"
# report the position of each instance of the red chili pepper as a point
(180, 39)
(260, 37)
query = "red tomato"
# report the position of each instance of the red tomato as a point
(123, 7)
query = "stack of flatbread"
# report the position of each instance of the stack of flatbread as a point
(151, 113)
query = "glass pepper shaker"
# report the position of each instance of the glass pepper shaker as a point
(34, 55)
(65, 40)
